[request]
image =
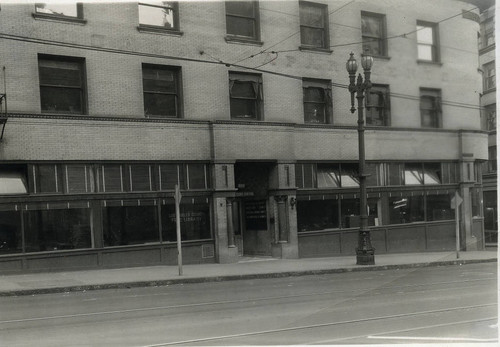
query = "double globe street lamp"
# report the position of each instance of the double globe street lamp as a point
(365, 253)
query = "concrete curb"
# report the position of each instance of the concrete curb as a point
(158, 283)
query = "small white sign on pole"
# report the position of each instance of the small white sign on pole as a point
(178, 197)
(456, 201)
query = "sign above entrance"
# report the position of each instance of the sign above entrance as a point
(242, 194)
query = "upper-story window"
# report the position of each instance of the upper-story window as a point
(242, 20)
(378, 110)
(317, 101)
(162, 90)
(313, 25)
(246, 97)
(487, 33)
(65, 11)
(489, 76)
(373, 33)
(62, 84)
(430, 108)
(427, 41)
(159, 14)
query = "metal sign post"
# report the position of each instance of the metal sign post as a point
(178, 197)
(455, 203)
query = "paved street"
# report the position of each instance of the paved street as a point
(423, 305)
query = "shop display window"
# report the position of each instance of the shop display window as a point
(10, 232)
(195, 222)
(407, 209)
(439, 207)
(317, 214)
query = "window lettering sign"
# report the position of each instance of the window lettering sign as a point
(256, 215)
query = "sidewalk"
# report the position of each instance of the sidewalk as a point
(246, 268)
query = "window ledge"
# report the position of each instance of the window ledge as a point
(491, 90)
(58, 18)
(242, 40)
(381, 57)
(158, 30)
(315, 49)
(428, 62)
(487, 49)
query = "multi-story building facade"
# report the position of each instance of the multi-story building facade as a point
(488, 103)
(245, 106)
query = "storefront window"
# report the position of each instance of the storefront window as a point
(406, 209)
(130, 225)
(317, 214)
(439, 207)
(349, 212)
(52, 230)
(195, 222)
(10, 232)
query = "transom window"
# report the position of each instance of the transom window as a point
(313, 25)
(62, 87)
(430, 108)
(317, 101)
(427, 41)
(373, 33)
(378, 110)
(60, 9)
(162, 91)
(162, 14)
(242, 19)
(246, 97)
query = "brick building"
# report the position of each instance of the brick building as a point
(243, 105)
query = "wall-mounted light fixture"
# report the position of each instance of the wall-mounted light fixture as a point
(293, 202)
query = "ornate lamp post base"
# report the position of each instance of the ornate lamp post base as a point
(365, 257)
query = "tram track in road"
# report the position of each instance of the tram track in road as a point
(376, 291)
(338, 323)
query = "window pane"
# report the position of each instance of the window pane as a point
(432, 173)
(47, 179)
(317, 215)
(372, 46)
(172, 174)
(425, 35)
(309, 176)
(158, 16)
(241, 8)
(51, 230)
(350, 213)
(129, 225)
(413, 174)
(314, 94)
(140, 178)
(159, 80)
(112, 178)
(311, 15)
(10, 232)
(394, 174)
(196, 176)
(349, 175)
(312, 37)
(61, 99)
(60, 73)
(13, 180)
(76, 179)
(314, 113)
(439, 208)
(62, 9)
(406, 209)
(299, 177)
(160, 105)
(425, 52)
(194, 218)
(240, 26)
(241, 108)
(372, 180)
(370, 26)
(243, 90)
(328, 175)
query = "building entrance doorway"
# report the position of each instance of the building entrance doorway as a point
(252, 230)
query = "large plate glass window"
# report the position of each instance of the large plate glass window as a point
(317, 101)
(246, 96)
(62, 84)
(242, 19)
(313, 25)
(162, 91)
(373, 33)
(194, 218)
(162, 14)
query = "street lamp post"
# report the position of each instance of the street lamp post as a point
(365, 254)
